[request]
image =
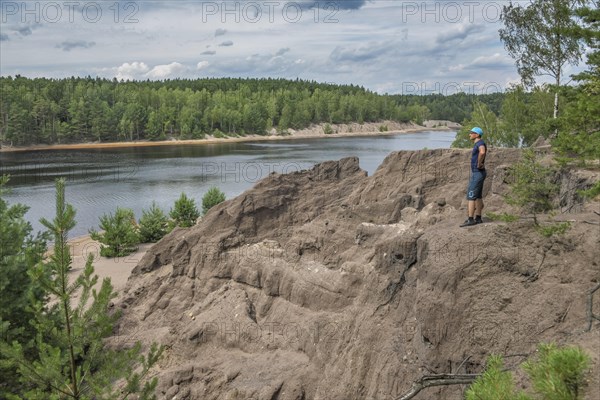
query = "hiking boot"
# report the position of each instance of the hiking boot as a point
(478, 221)
(469, 222)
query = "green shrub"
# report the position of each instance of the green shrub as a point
(327, 129)
(154, 224)
(591, 192)
(577, 148)
(213, 197)
(198, 135)
(494, 383)
(556, 374)
(532, 187)
(218, 134)
(533, 190)
(383, 128)
(120, 235)
(184, 213)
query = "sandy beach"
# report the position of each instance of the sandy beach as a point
(117, 269)
(315, 131)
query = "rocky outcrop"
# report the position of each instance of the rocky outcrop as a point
(329, 284)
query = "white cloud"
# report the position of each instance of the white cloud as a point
(132, 71)
(166, 71)
(202, 64)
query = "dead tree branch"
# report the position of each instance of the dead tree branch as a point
(590, 308)
(438, 380)
(462, 363)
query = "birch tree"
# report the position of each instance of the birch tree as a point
(538, 38)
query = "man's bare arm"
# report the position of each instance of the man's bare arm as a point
(481, 157)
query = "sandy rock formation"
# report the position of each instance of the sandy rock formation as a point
(328, 284)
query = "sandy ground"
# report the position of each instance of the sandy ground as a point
(117, 269)
(342, 130)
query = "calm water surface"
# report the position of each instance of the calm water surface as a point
(100, 180)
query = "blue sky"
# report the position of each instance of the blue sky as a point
(386, 46)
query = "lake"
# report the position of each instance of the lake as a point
(100, 180)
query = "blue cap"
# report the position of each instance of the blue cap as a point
(477, 130)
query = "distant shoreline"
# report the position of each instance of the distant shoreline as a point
(311, 133)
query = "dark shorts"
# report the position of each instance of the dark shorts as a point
(475, 189)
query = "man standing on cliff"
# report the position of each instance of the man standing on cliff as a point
(478, 174)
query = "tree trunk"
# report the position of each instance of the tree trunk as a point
(556, 94)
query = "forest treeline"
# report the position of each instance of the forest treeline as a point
(74, 110)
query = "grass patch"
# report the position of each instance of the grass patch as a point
(557, 228)
(504, 217)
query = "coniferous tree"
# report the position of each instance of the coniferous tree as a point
(70, 360)
(119, 236)
(154, 224)
(532, 187)
(20, 251)
(495, 383)
(558, 373)
(184, 212)
(84, 109)
(211, 198)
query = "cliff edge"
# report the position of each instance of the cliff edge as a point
(330, 284)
